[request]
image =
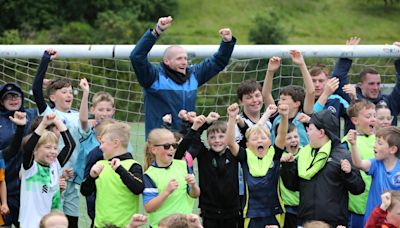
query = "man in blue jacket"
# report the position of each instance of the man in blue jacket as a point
(369, 84)
(172, 85)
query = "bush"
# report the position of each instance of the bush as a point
(267, 29)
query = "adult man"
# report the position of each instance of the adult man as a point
(369, 84)
(172, 85)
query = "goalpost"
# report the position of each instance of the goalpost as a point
(107, 68)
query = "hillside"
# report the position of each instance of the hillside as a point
(307, 22)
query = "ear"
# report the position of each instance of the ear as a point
(297, 104)
(117, 142)
(322, 133)
(166, 61)
(354, 120)
(52, 97)
(91, 109)
(393, 150)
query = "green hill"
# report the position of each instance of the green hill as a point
(306, 21)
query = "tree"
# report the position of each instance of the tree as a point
(267, 29)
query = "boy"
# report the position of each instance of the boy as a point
(117, 181)
(12, 100)
(388, 214)
(362, 114)
(218, 171)
(293, 96)
(60, 94)
(320, 175)
(260, 163)
(384, 168)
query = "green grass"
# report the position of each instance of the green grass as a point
(306, 21)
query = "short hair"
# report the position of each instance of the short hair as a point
(247, 87)
(291, 128)
(356, 106)
(316, 224)
(391, 135)
(57, 84)
(46, 137)
(366, 71)
(217, 126)
(118, 130)
(101, 127)
(317, 69)
(394, 199)
(296, 92)
(257, 128)
(42, 223)
(174, 221)
(102, 96)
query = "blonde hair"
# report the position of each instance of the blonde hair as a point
(152, 139)
(101, 127)
(102, 96)
(174, 220)
(356, 106)
(394, 199)
(46, 137)
(257, 128)
(43, 220)
(118, 130)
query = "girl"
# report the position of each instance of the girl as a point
(383, 116)
(169, 186)
(41, 170)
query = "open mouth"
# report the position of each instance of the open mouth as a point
(293, 147)
(171, 155)
(260, 149)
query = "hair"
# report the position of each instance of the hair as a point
(366, 71)
(247, 87)
(42, 223)
(257, 128)
(57, 84)
(291, 128)
(118, 130)
(394, 199)
(391, 135)
(381, 105)
(46, 137)
(296, 92)
(102, 96)
(316, 224)
(356, 106)
(35, 123)
(217, 126)
(174, 221)
(101, 127)
(317, 69)
(152, 139)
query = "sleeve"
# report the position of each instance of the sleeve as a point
(393, 97)
(341, 71)
(353, 180)
(318, 107)
(88, 186)
(373, 168)
(14, 148)
(278, 153)
(2, 170)
(37, 85)
(68, 149)
(242, 156)
(377, 218)
(290, 176)
(146, 73)
(150, 189)
(93, 156)
(211, 66)
(27, 156)
(191, 143)
(133, 179)
(242, 131)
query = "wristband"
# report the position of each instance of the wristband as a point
(159, 27)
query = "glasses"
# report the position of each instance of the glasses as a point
(382, 118)
(11, 96)
(167, 146)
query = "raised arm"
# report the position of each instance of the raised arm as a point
(233, 111)
(271, 110)
(212, 66)
(283, 126)
(273, 65)
(146, 73)
(364, 165)
(309, 99)
(191, 139)
(19, 119)
(84, 109)
(69, 143)
(37, 85)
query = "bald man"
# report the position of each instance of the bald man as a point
(171, 85)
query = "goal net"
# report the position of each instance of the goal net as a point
(117, 77)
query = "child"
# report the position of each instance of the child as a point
(388, 214)
(384, 168)
(293, 96)
(319, 174)
(218, 171)
(54, 219)
(117, 180)
(41, 170)
(383, 116)
(260, 163)
(362, 115)
(290, 198)
(12, 100)
(169, 187)
(60, 94)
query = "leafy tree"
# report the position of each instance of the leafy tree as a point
(267, 29)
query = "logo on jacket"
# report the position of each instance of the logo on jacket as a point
(396, 179)
(332, 109)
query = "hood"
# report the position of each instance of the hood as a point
(327, 120)
(8, 88)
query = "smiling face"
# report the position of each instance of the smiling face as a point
(292, 141)
(365, 121)
(103, 110)
(46, 153)
(12, 102)
(164, 156)
(383, 118)
(176, 59)
(62, 98)
(252, 102)
(217, 141)
(370, 85)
